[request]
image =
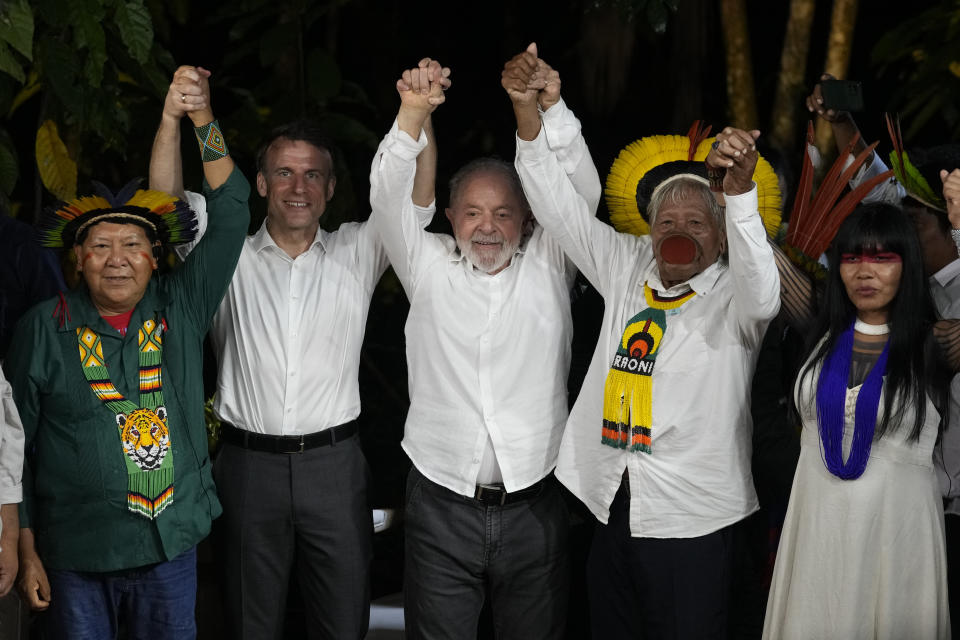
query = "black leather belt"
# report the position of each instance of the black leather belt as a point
(497, 495)
(286, 444)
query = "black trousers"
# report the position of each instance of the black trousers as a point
(657, 588)
(305, 512)
(460, 552)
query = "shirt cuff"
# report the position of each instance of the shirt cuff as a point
(11, 495)
(743, 206)
(402, 145)
(556, 113)
(530, 151)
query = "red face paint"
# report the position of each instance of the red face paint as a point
(678, 249)
(876, 257)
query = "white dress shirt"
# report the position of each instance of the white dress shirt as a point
(11, 448)
(487, 356)
(697, 479)
(289, 330)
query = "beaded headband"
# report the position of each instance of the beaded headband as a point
(170, 219)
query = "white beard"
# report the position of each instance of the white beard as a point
(487, 261)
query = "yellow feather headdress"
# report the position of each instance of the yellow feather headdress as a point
(644, 163)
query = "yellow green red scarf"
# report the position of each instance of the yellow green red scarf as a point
(628, 391)
(142, 429)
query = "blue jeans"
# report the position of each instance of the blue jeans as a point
(153, 603)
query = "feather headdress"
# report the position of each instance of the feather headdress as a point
(166, 218)
(814, 220)
(645, 163)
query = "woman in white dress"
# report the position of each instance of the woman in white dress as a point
(862, 549)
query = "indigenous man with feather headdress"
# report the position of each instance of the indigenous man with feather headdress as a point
(107, 378)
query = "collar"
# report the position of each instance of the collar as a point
(262, 239)
(80, 311)
(703, 283)
(947, 274)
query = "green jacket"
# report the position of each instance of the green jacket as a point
(75, 475)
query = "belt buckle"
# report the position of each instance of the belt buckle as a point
(485, 490)
(301, 444)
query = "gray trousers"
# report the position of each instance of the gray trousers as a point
(460, 552)
(302, 511)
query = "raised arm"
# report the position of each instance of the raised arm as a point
(183, 96)
(561, 185)
(403, 173)
(730, 166)
(845, 129)
(210, 264)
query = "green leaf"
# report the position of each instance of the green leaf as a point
(9, 64)
(93, 68)
(16, 26)
(9, 167)
(86, 18)
(61, 67)
(136, 29)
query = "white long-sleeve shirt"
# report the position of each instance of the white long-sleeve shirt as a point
(289, 330)
(487, 355)
(697, 479)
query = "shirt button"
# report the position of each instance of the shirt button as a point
(289, 409)
(293, 335)
(476, 461)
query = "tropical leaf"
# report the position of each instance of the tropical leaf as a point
(57, 169)
(9, 167)
(16, 26)
(60, 66)
(32, 87)
(86, 17)
(136, 29)
(9, 64)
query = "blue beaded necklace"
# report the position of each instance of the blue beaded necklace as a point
(831, 406)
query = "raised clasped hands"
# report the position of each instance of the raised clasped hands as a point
(189, 94)
(423, 87)
(529, 80)
(735, 151)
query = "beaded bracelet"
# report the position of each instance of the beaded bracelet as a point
(212, 145)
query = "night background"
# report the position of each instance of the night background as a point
(98, 70)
